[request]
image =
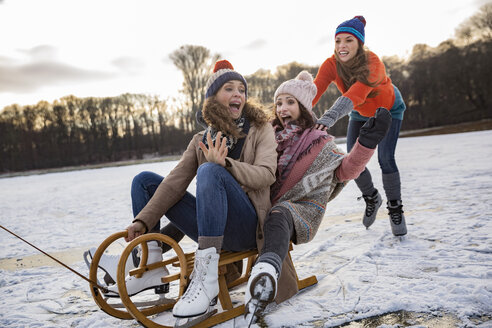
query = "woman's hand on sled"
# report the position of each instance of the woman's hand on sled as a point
(135, 229)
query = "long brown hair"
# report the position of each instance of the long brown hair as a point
(356, 69)
(219, 117)
(305, 120)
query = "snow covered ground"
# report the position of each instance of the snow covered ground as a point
(443, 265)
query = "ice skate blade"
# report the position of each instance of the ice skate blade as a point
(107, 277)
(261, 298)
(88, 255)
(254, 316)
(191, 321)
(250, 316)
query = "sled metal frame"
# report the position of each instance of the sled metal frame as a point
(185, 263)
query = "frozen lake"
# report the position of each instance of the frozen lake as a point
(443, 265)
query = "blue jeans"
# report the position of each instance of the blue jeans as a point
(386, 148)
(386, 159)
(220, 208)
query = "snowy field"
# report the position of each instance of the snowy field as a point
(443, 265)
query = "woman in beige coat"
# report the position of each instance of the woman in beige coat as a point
(234, 162)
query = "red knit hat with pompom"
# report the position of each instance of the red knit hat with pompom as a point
(223, 64)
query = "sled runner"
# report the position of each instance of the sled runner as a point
(180, 266)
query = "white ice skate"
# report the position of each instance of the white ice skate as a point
(150, 279)
(109, 264)
(197, 302)
(261, 290)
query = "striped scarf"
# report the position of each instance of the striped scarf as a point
(233, 144)
(294, 143)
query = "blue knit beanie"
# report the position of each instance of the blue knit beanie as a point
(223, 72)
(354, 26)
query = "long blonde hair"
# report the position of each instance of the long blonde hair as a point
(356, 69)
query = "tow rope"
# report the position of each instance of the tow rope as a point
(103, 289)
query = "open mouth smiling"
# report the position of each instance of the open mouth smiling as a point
(286, 119)
(235, 107)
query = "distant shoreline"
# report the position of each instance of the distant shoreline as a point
(446, 129)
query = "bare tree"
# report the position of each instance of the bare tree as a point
(262, 85)
(195, 63)
(478, 26)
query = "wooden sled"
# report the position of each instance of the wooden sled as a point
(183, 264)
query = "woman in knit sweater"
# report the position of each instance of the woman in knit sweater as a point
(311, 170)
(361, 78)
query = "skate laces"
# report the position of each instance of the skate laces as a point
(370, 203)
(197, 277)
(395, 213)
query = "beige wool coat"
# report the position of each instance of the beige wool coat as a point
(255, 172)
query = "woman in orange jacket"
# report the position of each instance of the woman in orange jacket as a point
(361, 78)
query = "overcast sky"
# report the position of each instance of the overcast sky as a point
(53, 48)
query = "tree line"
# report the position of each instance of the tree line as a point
(76, 131)
(444, 85)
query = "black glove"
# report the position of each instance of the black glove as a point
(375, 129)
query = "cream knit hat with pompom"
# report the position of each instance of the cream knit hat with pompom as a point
(302, 88)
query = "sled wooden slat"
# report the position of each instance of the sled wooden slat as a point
(306, 282)
(140, 270)
(224, 297)
(231, 257)
(221, 317)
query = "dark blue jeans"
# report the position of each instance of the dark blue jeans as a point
(220, 208)
(386, 148)
(386, 159)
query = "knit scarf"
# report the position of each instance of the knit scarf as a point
(233, 145)
(294, 144)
